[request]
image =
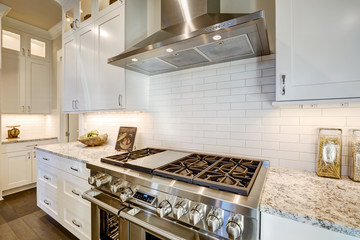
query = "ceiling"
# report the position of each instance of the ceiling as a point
(40, 13)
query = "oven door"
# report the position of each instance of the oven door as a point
(134, 223)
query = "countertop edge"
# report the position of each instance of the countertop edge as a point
(61, 155)
(11, 141)
(312, 221)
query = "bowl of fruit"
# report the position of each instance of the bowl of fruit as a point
(93, 138)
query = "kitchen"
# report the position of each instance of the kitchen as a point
(229, 109)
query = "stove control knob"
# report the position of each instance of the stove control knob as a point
(164, 208)
(104, 179)
(197, 213)
(235, 225)
(215, 219)
(92, 179)
(126, 194)
(118, 185)
(181, 208)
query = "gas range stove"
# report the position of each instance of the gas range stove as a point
(212, 197)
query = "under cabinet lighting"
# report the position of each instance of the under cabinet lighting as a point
(67, 18)
(216, 37)
(134, 60)
(169, 50)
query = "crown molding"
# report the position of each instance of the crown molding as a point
(25, 27)
(56, 30)
(4, 10)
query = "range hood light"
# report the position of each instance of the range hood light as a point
(169, 50)
(216, 37)
(134, 60)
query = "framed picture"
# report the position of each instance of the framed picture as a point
(126, 138)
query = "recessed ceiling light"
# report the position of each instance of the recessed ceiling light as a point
(134, 60)
(169, 50)
(216, 37)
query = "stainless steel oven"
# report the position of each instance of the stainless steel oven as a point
(111, 219)
(144, 195)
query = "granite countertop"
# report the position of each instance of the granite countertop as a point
(18, 140)
(80, 152)
(303, 196)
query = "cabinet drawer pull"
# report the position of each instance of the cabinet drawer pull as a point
(75, 192)
(23, 108)
(74, 169)
(32, 145)
(29, 156)
(75, 223)
(34, 155)
(47, 202)
(29, 109)
(47, 178)
(46, 159)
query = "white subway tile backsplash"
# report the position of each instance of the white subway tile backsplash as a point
(227, 109)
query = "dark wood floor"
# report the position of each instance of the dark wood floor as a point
(20, 219)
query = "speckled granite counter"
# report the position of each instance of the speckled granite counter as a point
(18, 140)
(79, 151)
(304, 197)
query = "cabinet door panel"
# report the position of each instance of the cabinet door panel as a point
(16, 169)
(38, 86)
(12, 83)
(109, 90)
(85, 66)
(69, 74)
(317, 49)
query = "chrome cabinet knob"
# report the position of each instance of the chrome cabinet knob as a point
(164, 208)
(181, 208)
(215, 219)
(125, 194)
(92, 179)
(118, 185)
(197, 213)
(235, 225)
(102, 180)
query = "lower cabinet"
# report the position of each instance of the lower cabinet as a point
(61, 181)
(18, 164)
(278, 228)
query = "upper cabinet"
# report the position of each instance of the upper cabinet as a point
(89, 82)
(25, 73)
(317, 48)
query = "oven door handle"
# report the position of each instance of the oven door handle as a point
(149, 227)
(90, 196)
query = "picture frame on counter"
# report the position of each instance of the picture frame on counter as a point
(126, 139)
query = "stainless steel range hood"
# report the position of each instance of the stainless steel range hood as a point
(195, 33)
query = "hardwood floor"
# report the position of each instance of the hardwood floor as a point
(21, 219)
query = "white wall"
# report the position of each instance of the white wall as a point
(32, 125)
(226, 109)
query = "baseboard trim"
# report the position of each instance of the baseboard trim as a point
(18, 189)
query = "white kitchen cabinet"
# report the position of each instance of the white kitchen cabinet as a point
(278, 228)
(16, 169)
(108, 91)
(78, 67)
(25, 74)
(90, 83)
(317, 48)
(61, 181)
(18, 164)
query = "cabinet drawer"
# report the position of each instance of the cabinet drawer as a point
(49, 159)
(48, 176)
(46, 200)
(77, 168)
(77, 219)
(73, 187)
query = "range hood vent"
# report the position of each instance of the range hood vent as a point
(195, 34)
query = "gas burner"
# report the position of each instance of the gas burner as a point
(230, 174)
(185, 169)
(121, 159)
